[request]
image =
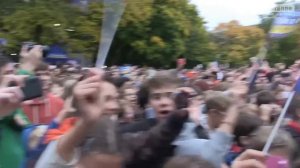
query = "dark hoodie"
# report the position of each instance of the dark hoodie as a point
(152, 148)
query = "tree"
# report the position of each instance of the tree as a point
(266, 22)
(156, 32)
(235, 43)
(35, 20)
(151, 32)
(285, 50)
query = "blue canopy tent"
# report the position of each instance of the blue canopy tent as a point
(3, 41)
(56, 55)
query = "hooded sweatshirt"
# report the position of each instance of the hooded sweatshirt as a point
(43, 110)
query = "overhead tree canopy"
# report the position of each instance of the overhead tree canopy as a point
(151, 32)
(156, 32)
(235, 44)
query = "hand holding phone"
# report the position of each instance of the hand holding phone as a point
(31, 87)
(31, 51)
(10, 100)
(13, 80)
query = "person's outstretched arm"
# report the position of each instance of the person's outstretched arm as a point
(153, 147)
(64, 152)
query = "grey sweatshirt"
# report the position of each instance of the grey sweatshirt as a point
(212, 150)
(51, 159)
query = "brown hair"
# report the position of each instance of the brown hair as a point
(222, 87)
(202, 85)
(218, 101)
(282, 140)
(188, 162)
(246, 124)
(249, 109)
(260, 87)
(265, 97)
(161, 81)
(42, 67)
(68, 88)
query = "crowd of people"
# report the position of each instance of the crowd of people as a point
(217, 117)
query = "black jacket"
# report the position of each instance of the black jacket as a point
(148, 144)
(139, 126)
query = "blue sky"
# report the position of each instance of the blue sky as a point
(245, 11)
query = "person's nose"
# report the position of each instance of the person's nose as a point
(114, 107)
(134, 97)
(166, 101)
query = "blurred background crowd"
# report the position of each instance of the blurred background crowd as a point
(171, 94)
(132, 116)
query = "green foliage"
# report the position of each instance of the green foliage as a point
(151, 32)
(34, 21)
(285, 50)
(156, 32)
(235, 44)
(266, 23)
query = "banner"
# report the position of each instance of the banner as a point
(284, 24)
(113, 11)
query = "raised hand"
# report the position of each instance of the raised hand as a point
(32, 58)
(250, 159)
(87, 97)
(36, 52)
(67, 109)
(10, 100)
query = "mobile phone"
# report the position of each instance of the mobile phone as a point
(32, 89)
(277, 162)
